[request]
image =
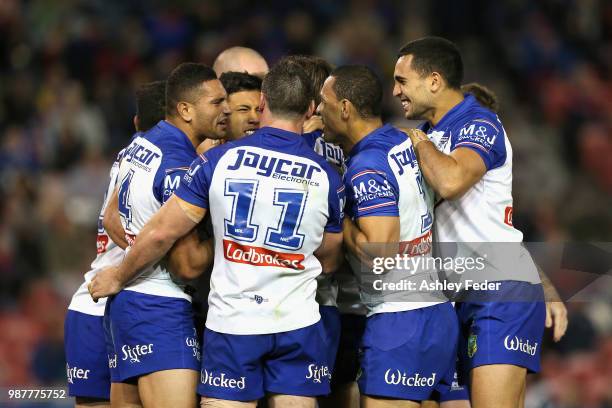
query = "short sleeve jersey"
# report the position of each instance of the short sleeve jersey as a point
(383, 179)
(150, 171)
(107, 252)
(271, 198)
(484, 212)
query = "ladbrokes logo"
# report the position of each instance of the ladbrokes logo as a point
(516, 344)
(316, 373)
(258, 256)
(221, 380)
(396, 377)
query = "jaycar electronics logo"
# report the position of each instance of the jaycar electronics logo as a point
(258, 256)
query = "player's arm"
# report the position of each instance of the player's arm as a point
(556, 312)
(112, 221)
(373, 236)
(329, 252)
(450, 175)
(190, 257)
(175, 219)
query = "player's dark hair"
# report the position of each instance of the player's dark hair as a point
(361, 86)
(287, 89)
(150, 104)
(483, 95)
(435, 54)
(239, 81)
(316, 68)
(183, 83)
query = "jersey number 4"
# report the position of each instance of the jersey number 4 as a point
(244, 197)
(125, 208)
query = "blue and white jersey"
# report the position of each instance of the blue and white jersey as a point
(383, 179)
(108, 253)
(330, 152)
(484, 212)
(151, 170)
(271, 198)
(327, 287)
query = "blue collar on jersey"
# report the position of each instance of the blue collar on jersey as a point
(360, 145)
(177, 133)
(283, 135)
(467, 102)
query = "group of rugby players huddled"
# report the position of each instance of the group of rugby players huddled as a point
(271, 192)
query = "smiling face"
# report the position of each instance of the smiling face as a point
(211, 111)
(245, 114)
(412, 89)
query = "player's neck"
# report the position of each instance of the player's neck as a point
(359, 129)
(290, 125)
(448, 101)
(195, 141)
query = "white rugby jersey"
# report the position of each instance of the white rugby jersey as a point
(271, 198)
(383, 179)
(484, 213)
(151, 170)
(108, 254)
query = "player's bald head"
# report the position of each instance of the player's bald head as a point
(241, 59)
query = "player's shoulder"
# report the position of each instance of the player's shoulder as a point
(311, 138)
(373, 151)
(176, 148)
(476, 114)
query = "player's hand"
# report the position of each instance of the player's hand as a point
(104, 284)
(208, 144)
(314, 123)
(556, 317)
(415, 135)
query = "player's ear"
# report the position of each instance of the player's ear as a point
(185, 111)
(311, 109)
(262, 102)
(345, 109)
(435, 82)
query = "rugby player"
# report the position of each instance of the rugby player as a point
(465, 155)
(86, 359)
(263, 331)
(338, 295)
(149, 321)
(409, 343)
(243, 97)
(241, 59)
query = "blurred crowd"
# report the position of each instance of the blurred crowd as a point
(68, 71)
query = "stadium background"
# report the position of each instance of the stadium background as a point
(68, 71)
